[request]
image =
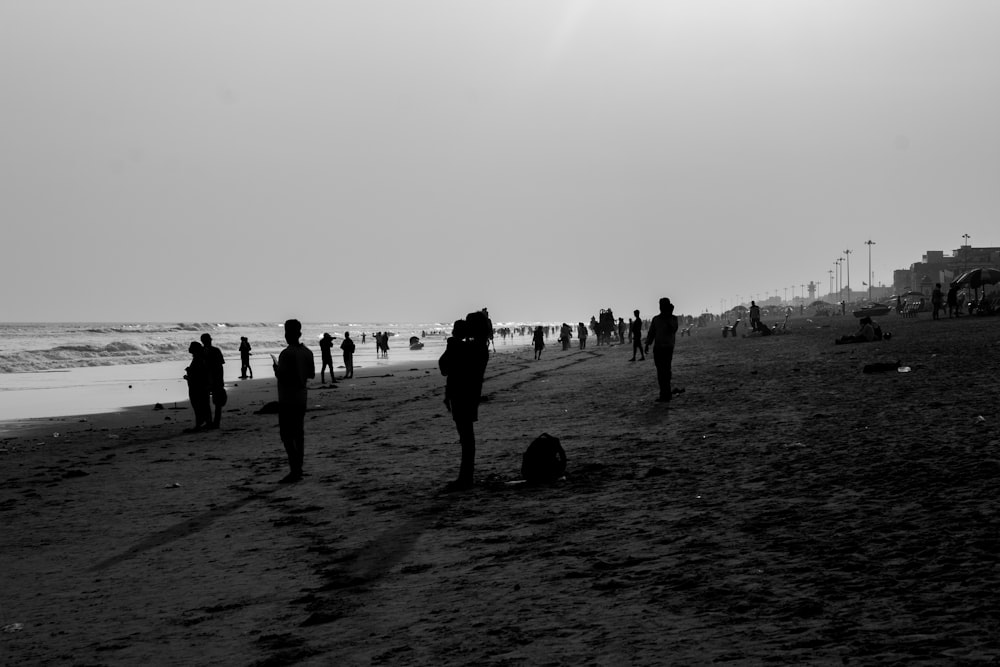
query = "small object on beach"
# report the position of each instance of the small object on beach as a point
(13, 627)
(173, 485)
(130, 386)
(903, 369)
(113, 436)
(980, 419)
(56, 434)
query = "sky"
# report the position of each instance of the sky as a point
(413, 160)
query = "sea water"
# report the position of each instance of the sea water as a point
(60, 369)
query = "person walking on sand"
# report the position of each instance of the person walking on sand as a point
(197, 378)
(581, 334)
(216, 378)
(662, 335)
(348, 347)
(635, 332)
(326, 354)
(294, 368)
(538, 339)
(245, 358)
(464, 365)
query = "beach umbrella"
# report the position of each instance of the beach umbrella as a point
(819, 304)
(976, 278)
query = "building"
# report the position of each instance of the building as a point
(936, 267)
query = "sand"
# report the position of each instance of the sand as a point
(787, 508)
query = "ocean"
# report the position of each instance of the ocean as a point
(60, 369)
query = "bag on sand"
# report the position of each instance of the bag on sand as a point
(544, 460)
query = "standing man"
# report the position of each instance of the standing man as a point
(636, 333)
(326, 354)
(294, 368)
(754, 316)
(662, 335)
(348, 347)
(216, 377)
(937, 301)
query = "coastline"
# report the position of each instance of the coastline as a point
(787, 507)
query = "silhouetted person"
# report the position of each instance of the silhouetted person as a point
(565, 334)
(538, 340)
(245, 358)
(636, 333)
(662, 335)
(621, 331)
(216, 378)
(326, 354)
(295, 367)
(937, 301)
(197, 377)
(952, 301)
(754, 316)
(348, 347)
(464, 365)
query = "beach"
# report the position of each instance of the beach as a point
(786, 508)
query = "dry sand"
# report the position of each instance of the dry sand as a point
(787, 508)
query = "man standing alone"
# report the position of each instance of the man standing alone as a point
(636, 334)
(662, 335)
(294, 368)
(348, 347)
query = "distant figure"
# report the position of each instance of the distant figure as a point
(662, 335)
(245, 358)
(937, 301)
(538, 339)
(952, 301)
(581, 334)
(348, 347)
(867, 332)
(754, 316)
(362, 337)
(489, 325)
(326, 354)
(216, 378)
(464, 365)
(621, 331)
(636, 333)
(295, 367)
(198, 387)
(565, 334)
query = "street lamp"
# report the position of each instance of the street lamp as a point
(830, 271)
(848, 253)
(869, 243)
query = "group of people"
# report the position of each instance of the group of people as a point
(206, 383)
(463, 364)
(326, 354)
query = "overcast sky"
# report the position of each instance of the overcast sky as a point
(412, 160)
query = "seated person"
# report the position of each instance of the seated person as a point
(868, 332)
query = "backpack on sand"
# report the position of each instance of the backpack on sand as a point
(544, 460)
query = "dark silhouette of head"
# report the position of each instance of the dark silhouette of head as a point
(665, 306)
(293, 331)
(206, 340)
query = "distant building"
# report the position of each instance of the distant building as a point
(936, 267)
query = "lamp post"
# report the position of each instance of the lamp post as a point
(848, 253)
(840, 278)
(869, 243)
(830, 271)
(965, 252)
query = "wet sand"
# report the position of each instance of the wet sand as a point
(787, 508)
